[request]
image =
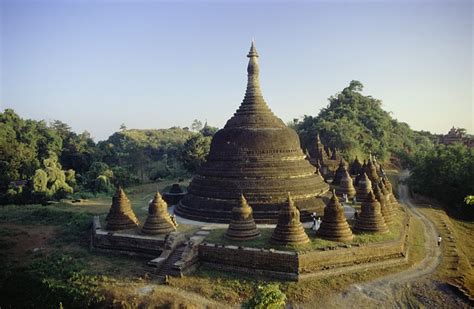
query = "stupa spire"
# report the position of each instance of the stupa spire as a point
(254, 111)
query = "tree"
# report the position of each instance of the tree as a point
(196, 125)
(50, 181)
(208, 130)
(195, 151)
(445, 173)
(357, 125)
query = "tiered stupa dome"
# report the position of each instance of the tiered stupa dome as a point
(370, 218)
(121, 215)
(242, 226)
(334, 226)
(257, 155)
(386, 207)
(346, 186)
(355, 167)
(289, 230)
(158, 220)
(341, 170)
(364, 187)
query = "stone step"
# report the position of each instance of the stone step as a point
(167, 268)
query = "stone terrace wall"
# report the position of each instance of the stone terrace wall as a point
(131, 243)
(289, 265)
(268, 263)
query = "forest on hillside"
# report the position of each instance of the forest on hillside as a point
(40, 161)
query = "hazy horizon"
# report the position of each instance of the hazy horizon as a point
(97, 64)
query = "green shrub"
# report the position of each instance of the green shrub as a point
(268, 296)
(49, 281)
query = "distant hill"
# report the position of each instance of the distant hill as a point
(357, 124)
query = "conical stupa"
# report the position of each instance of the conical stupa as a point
(364, 187)
(258, 155)
(370, 218)
(386, 208)
(121, 215)
(339, 173)
(371, 171)
(242, 226)
(334, 226)
(289, 230)
(391, 200)
(361, 172)
(346, 186)
(158, 220)
(355, 167)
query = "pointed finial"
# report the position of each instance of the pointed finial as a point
(253, 50)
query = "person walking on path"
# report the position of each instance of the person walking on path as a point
(439, 240)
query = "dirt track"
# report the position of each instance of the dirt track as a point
(397, 290)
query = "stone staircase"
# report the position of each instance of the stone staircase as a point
(168, 267)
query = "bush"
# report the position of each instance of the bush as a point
(47, 282)
(267, 296)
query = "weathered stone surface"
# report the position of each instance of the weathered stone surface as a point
(346, 186)
(158, 220)
(355, 167)
(371, 171)
(174, 195)
(370, 218)
(334, 226)
(242, 226)
(341, 170)
(364, 187)
(258, 155)
(289, 230)
(386, 207)
(121, 215)
(361, 173)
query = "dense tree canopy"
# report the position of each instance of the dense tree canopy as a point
(357, 125)
(445, 173)
(39, 161)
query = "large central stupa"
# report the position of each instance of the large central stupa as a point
(257, 155)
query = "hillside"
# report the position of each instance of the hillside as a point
(357, 124)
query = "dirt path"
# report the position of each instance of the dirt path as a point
(392, 290)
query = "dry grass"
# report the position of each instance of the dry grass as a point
(458, 252)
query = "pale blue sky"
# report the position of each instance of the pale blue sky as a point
(155, 64)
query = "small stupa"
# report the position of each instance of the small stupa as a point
(174, 195)
(346, 186)
(388, 186)
(334, 226)
(364, 187)
(158, 221)
(242, 226)
(289, 230)
(121, 215)
(370, 218)
(386, 208)
(361, 172)
(355, 167)
(371, 171)
(391, 200)
(339, 173)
